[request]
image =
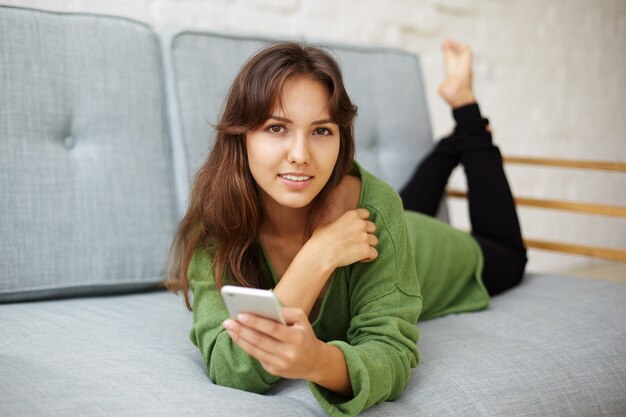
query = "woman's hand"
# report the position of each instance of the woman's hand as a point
(290, 351)
(347, 240)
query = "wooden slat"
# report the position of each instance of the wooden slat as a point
(602, 209)
(592, 251)
(567, 163)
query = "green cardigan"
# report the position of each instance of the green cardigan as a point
(369, 310)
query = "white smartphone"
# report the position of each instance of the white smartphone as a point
(252, 300)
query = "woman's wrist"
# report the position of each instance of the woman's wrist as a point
(331, 370)
(315, 251)
(304, 279)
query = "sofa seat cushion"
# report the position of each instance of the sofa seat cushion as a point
(553, 346)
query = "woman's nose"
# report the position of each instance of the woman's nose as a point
(299, 150)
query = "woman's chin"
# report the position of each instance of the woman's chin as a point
(294, 202)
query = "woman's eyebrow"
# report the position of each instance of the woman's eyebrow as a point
(321, 122)
(317, 122)
(280, 119)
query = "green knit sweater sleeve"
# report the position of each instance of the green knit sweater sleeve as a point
(385, 302)
(226, 363)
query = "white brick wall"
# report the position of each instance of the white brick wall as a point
(550, 75)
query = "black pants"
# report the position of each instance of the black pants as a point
(491, 206)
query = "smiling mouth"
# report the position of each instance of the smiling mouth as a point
(297, 178)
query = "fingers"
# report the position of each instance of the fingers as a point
(255, 343)
(363, 213)
(372, 240)
(262, 325)
(253, 328)
(373, 254)
(355, 237)
(370, 227)
(251, 343)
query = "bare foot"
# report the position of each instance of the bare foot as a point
(456, 89)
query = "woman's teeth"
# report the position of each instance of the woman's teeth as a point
(295, 178)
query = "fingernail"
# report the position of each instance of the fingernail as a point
(228, 324)
(242, 317)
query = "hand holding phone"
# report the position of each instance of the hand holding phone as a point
(263, 303)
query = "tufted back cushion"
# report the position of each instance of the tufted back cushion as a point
(392, 129)
(87, 202)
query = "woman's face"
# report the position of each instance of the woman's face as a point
(293, 154)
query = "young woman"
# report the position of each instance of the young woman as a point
(281, 204)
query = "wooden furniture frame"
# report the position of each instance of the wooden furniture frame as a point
(596, 209)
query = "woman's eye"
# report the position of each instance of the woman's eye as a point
(322, 131)
(276, 129)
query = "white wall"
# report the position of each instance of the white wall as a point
(549, 74)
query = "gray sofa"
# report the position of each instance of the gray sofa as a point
(103, 123)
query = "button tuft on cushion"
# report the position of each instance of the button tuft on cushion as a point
(69, 142)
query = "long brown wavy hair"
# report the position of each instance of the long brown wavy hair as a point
(225, 210)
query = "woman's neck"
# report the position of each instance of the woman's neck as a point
(284, 222)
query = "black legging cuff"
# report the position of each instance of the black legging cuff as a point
(468, 119)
